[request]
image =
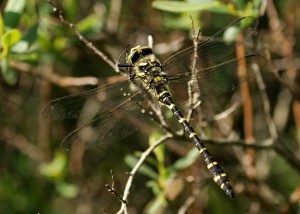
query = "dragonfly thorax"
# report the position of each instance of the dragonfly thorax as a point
(147, 68)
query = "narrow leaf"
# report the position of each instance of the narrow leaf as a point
(178, 6)
(132, 161)
(1, 25)
(186, 161)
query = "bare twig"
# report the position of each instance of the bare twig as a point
(193, 89)
(190, 200)
(144, 155)
(269, 144)
(113, 191)
(265, 102)
(54, 78)
(265, 144)
(82, 38)
(227, 111)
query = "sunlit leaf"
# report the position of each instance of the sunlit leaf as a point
(158, 151)
(28, 39)
(180, 6)
(223, 9)
(156, 205)
(10, 38)
(1, 25)
(13, 12)
(67, 190)
(55, 168)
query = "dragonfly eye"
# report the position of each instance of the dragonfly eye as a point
(135, 57)
(146, 51)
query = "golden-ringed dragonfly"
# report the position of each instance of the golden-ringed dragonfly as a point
(113, 108)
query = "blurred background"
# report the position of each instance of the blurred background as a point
(43, 59)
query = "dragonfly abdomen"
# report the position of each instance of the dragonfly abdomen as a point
(214, 168)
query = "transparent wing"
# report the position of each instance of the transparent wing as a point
(106, 114)
(116, 124)
(103, 98)
(215, 82)
(218, 48)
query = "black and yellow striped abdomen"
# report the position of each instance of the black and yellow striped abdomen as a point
(214, 168)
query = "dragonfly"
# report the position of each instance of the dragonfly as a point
(114, 108)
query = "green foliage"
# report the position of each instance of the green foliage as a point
(8, 39)
(14, 43)
(239, 8)
(184, 9)
(185, 6)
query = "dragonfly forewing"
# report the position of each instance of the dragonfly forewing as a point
(219, 83)
(218, 48)
(104, 97)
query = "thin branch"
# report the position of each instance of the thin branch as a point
(113, 191)
(193, 85)
(275, 144)
(265, 102)
(143, 157)
(82, 38)
(227, 111)
(54, 78)
(190, 200)
(265, 144)
(287, 154)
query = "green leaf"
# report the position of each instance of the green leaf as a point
(28, 39)
(67, 190)
(186, 161)
(71, 6)
(9, 74)
(223, 9)
(89, 24)
(241, 4)
(1, 25)
(257, 3)
(156, 205)
(180, 22)
(54, 169)
(10, 38)
(131, 161)
(13, 12)
(179, 6)
(160, 150)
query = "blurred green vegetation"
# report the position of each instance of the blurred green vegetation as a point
(38, 55)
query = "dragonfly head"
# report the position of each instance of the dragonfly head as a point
(138, 53)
